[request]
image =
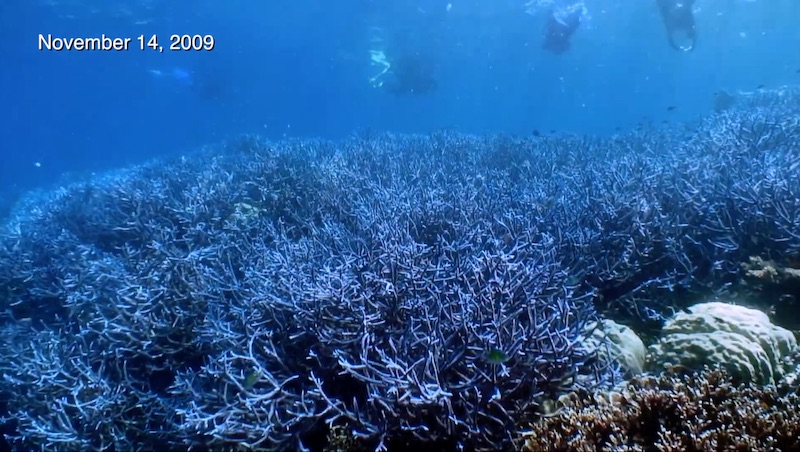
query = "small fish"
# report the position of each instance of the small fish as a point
(536, 133)
(497, 356)
(250, 380)
(761, 86)
(671, 108)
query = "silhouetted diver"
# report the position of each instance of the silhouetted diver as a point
(560, 28)
(679, 19)
(410, 75)
(205, 87)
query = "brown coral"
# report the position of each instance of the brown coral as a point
(695, 412)
(770, 272)
(779, 283)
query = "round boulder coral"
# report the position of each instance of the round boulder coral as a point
(741, 340)
(617, 343)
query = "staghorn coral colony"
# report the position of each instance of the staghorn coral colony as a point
(445, 291)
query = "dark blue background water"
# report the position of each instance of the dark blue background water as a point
(301, 68)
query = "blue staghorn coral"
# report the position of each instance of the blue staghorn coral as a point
(255, 294)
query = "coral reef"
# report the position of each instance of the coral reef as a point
(740, 339)
(414, 289)
(694, 412)
(254, 299)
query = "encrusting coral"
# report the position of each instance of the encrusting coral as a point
(695, 412)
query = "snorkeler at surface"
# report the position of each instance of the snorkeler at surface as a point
(562, 23)
(679, 19)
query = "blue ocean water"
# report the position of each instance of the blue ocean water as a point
(302, 69)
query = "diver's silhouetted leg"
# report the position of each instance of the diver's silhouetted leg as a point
(678, 18)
